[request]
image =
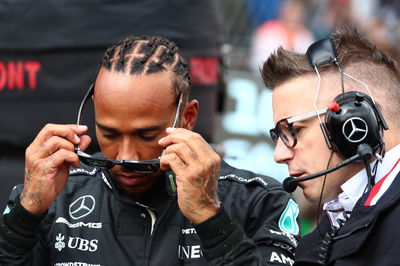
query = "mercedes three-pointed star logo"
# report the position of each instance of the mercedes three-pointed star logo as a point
(81, 207)
(355, 129)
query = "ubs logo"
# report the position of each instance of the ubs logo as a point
(355, 129)
(76, 243)
(81, 207)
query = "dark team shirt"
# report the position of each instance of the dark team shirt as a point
(91, 223)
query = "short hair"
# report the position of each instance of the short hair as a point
(147, 55)
(353, 52)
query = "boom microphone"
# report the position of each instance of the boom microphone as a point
(364, 152)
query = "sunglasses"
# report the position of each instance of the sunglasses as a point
(144, 167)
(284, 128)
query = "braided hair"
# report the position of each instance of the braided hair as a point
(147, 55)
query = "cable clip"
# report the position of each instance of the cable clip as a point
(379, 157)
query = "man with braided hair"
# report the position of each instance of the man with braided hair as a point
(157, 194)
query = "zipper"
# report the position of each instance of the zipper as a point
(154, 225)
(153, 219)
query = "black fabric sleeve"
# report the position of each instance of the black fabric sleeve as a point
(21, 240)
(251, 229)
(219, 235)
(20, 227)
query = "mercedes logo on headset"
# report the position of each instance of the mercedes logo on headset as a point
(355, 129)
(81, 207)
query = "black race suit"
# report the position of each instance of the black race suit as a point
(92, 223)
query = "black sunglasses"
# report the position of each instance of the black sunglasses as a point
(144, 167)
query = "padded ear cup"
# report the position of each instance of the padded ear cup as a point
(355, 123)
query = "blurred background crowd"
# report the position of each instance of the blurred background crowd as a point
(50, 50)
(252, 29)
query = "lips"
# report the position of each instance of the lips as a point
(296, 174)
(131, 180)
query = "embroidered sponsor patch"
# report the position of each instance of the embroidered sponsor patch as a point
(104, 178)
(82, 207)
(7, 210)
(288, 220)
(280, 259)
(78, 243)
(62, 220)
(289, 236)
(75, 263)
(244, 180)
(60, 244)
(80, 171)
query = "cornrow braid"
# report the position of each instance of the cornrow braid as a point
(148, 55)
(106, 62)
(123, 48)
(148, 48)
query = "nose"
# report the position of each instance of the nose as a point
(127, 150)
(282, 153)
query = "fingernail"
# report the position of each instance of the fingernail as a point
(161, 140)
(170, 129)
(77, 139)
(82, 127)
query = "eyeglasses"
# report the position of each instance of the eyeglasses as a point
(144, 167)
(284, 128)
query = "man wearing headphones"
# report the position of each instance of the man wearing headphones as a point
(337, 122)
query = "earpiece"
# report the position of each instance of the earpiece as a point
(351, 120)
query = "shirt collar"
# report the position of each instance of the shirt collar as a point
(354, 188)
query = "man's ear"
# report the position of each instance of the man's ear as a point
(189, 115)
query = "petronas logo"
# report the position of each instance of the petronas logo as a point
(287, 222)
(7, 210)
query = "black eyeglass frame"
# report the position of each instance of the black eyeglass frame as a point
(276, 132)
(145, 166)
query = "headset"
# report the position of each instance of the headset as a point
(352, 118)
(353, 124)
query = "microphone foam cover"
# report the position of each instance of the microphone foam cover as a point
(289, 184)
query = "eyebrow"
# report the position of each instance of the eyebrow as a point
(135, 131)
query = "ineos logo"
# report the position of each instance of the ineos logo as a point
(355, 129)
(81, 207)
